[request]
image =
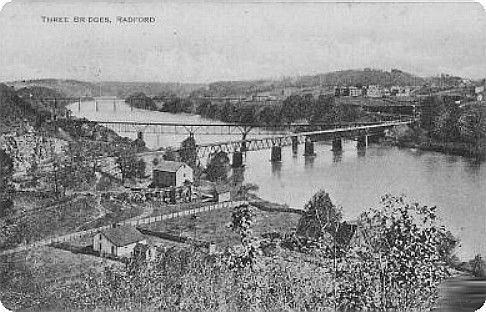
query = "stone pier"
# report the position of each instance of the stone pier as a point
(309, 147)
(295, 144)
(276, 153)
(362, 141)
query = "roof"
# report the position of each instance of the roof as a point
(169, 166)
(123, 235)
(222, 188)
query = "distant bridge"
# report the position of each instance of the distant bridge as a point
(219, 128)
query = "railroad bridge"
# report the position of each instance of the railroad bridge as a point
(361, 132)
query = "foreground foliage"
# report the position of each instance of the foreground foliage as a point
(395, 261)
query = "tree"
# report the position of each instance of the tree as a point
(127, 164)
(242, 220)
(246, 114)
(321, 217)
(188, 151)
(472, 127)
(398, 260)
(169, 155)
(140, 100)
(430, 106)
(291, 109)
(140, 168)
(218, 166)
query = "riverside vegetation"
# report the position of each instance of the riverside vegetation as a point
(448, 127)
(293, 108)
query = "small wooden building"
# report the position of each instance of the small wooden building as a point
(222, 193)
(172, 173)
(118, 241)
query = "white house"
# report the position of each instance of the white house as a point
(354, 91)
(172, 173)
(118, 241)
(374, 91)
(479, 91)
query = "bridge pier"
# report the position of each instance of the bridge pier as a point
(276, 154)
(79, 105)
(96, 105)
(362, 142)
(295, 144)
(140, 135)
(237, 160)
(114, 105)
(309, 147)
(337, 144)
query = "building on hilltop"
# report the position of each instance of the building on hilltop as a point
(118, 241)
(172, 173)
(479, 91)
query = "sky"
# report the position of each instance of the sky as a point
(205, 41)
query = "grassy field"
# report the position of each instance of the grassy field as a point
(213, 225)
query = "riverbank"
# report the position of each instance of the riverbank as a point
(451, 148)
(418, 138)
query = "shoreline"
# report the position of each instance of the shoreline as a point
(446, 148)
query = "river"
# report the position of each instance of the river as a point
(354, 179)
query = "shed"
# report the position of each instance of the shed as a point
(172, 173)
(118, 241)
(222, 193)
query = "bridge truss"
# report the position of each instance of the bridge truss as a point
(256, 144)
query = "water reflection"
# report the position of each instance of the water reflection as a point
(309, 162)
(472, 166)
(276, 168)
(361, 152)
(337, 156)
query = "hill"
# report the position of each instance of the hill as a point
(76, 88)
(364, 77)
(327, 80)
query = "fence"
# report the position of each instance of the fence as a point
(148, 220)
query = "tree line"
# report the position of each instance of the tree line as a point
(294, 108)
(445, 123)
